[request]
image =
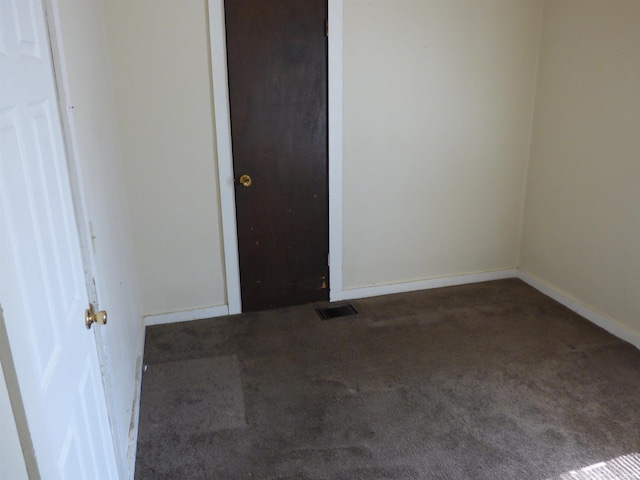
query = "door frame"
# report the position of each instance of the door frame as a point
(220, 98)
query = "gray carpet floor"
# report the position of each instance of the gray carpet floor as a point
(485, 381)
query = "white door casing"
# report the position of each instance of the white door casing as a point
(42, 288)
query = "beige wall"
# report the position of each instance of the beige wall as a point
(160, 65)
(438, 109)
(438, 105)
(438, 99)
(582, 217)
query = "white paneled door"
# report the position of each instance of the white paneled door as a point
(42, 289)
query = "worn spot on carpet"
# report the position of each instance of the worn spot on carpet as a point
(191, 396)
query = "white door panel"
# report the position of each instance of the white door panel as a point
(42, 290)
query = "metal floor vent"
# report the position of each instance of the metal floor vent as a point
(335, 312)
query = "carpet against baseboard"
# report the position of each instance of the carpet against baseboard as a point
(484, 381)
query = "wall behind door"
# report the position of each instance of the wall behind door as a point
(438, 104)
(582, 218)
(160, 60)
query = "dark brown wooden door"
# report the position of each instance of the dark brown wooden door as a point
(277, 62)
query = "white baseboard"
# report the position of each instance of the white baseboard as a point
(609, 324)
(439, 282)
(135, 408)
(187, 315)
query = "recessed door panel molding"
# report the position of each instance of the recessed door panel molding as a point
(21, 241)
(51, 167)
(24, 21)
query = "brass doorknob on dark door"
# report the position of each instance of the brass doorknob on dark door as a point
(245, 180)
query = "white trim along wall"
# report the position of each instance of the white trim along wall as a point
(610, 325)
(448, 281)
(335, 149)
(607, 323)
(186, 315)
(217, 38)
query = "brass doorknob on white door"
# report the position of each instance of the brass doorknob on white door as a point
(245, 180)
(91, 317)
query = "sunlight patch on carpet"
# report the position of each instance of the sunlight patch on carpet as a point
(626, 467)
